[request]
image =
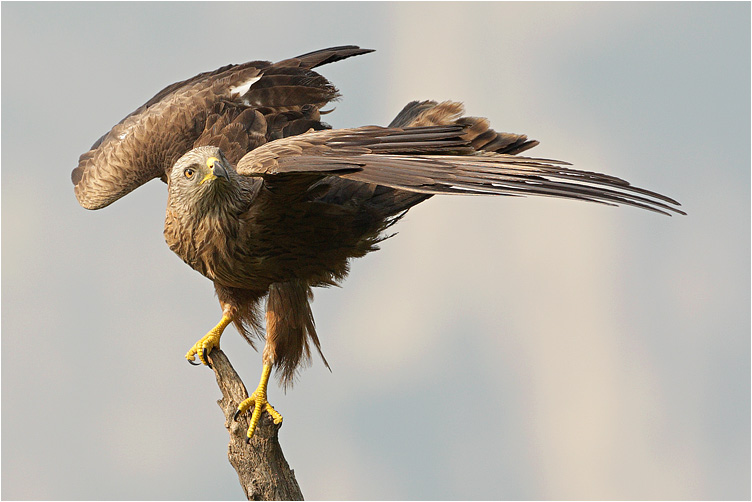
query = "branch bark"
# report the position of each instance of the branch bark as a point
(262, 469)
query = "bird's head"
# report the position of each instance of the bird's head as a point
(201, 178)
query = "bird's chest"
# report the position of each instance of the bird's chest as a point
(271, 243)
(210, 245)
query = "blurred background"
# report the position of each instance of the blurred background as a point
(496, 348)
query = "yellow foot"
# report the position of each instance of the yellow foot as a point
(207, 343)
(259, 402)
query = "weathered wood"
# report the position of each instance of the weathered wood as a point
(262, 469)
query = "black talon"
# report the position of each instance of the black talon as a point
(203, 353)
(247, 440)
(236, 415)
(194, 363)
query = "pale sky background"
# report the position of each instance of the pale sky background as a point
(496, 348)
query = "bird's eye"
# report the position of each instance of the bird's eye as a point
(189, 173)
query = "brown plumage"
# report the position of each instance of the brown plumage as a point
(267, 201)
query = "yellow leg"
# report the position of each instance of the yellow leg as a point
(208, 342)
(258, 399)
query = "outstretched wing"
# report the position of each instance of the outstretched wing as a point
(236, 107)
(438, 160)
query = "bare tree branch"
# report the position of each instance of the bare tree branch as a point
(262, 469)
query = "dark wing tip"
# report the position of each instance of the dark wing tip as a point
(321, 57)
(677, 211)
(76, 175)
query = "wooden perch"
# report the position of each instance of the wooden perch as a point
(262, 469)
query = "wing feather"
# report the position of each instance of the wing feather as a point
(206, 109)
(386, 156)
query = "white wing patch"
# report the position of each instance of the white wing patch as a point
(124, 132)
(243, 88)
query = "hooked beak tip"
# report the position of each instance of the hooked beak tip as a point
(217, 169)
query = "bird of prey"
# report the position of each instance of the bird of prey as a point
(267, 201)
